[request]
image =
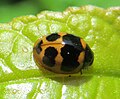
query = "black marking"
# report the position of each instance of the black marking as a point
(53, 37)
(49, 57)
(73, 41)
(89, 57)
(70, 57)
(38, 47)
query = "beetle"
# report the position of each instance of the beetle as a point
(62, 53)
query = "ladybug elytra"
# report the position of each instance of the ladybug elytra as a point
(62, 53)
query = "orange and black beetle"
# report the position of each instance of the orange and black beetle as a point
(62, 53)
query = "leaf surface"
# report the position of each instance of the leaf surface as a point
(20, 78)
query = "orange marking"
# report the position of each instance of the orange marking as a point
(81, 57)
(83, 43)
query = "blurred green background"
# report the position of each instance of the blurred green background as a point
(13, 8)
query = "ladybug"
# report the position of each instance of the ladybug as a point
(62, 53)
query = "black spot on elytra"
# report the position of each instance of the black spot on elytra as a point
(89, 57)
(70, 57)
(73, 41)
(53, 37)
(38, 47)
(49, 57)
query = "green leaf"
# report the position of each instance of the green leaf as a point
(20, 78)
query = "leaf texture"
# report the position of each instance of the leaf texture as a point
(20, 78)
